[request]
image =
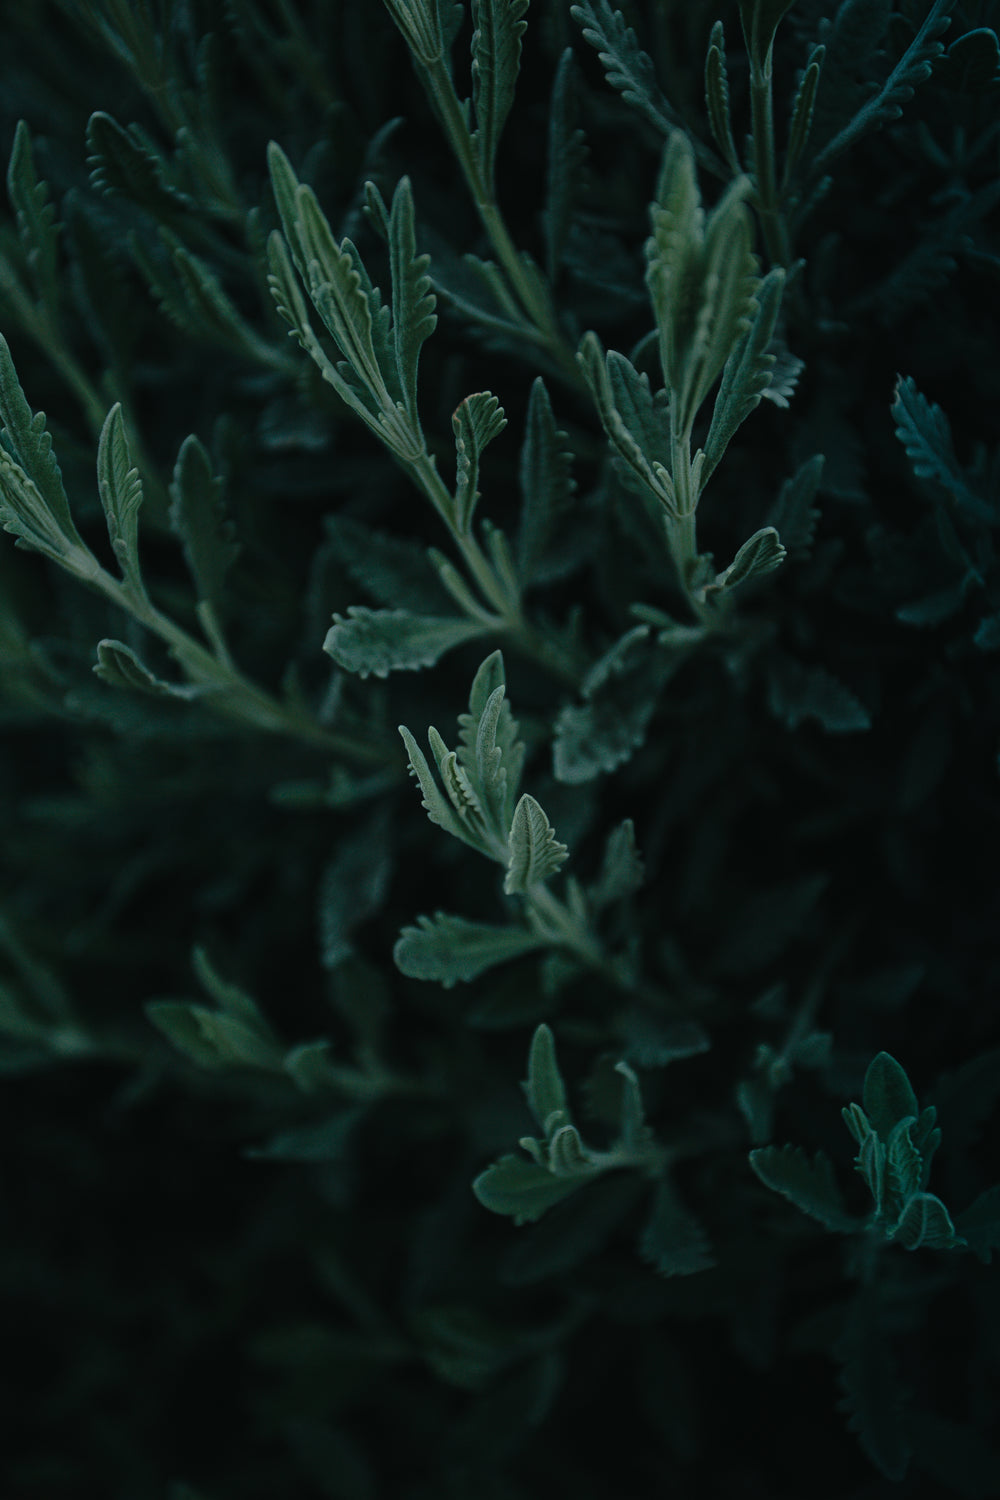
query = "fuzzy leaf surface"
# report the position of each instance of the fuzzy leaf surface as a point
(535, 852)
(379, 641)
(453, 950)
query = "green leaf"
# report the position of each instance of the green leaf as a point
(802, 111)
(126, 164)
(673, 1241)
(973, 62)
(120, 667)
(760, 554)
(434, 802)
(547, 486)
(35, 504)
(632, 1127)
(394, 570)
(926, 1222)
(796, 692)
(521, 1189)
(622, 872)
(490, 752)
(717, 96)
(228, 996)
(452, 950)
(567, 156)
(543, 1087)
(809, 1184)
(572, 1232)
(352, 886)
(120, 489)
(197, 517)
(629, 70)
(793, 514)
(873, 1398)
(178, 1023)
(36, 217)
(622, 690)
(381, 641)
(193, 297)
(888, 1095)
(638, 433)
(420, 23)
(236, 1043)
(979, 1224)
(747, 373)
(761, 19)
(324, 1141)
(496, 59)
(476, 422)
(925, 433)
(413, 302)
(535, 852)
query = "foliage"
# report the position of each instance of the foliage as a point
(632, 366)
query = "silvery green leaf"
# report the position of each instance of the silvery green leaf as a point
(717, 96)
(394, 570)
(747, 372)
(761, 19)
(543, 1087)
(925, 433)
(476, 422)
(434, 802)
(622, 870)
(759, 555)
(793, 514)
(673, 256)
(673, 1241)
(926, 1222)
(490, 751)
(120, 489)
(547, 486)
(567, 155)
(636, 436)
(420, 23)
(535, 852)
(197, 517)
(452, 950)
(381, 641)
(120, 667)
(36, 217)
(31, 451)
(888, 1095)
(413, 317)
(521, 1189)
(126, 163)
(809, 1184)
(621, 692)
(802, 111)
(628, 68)
(904, 1165)
(496, 59)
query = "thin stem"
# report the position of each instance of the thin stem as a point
(567, 933)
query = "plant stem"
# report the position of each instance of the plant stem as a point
(772, 219)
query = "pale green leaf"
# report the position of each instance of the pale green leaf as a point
(413, 317)
(747, 373)
(543, 1087)
(808, 1183)
(120, 667)
(535, 852)
(761, 19)
(434, 802)
(793, 514)
(496, 59)
(547, 486)
(420, 23)
(490, 751)
(31, 448)
(197, 517)
(802, 111)
(120, 489)
(36, 217)
(369, 641)
(628, 68)
(717, 96)
(521, 1189)
(452, 950)
(476, 422)
(759, 555)
(632, 443)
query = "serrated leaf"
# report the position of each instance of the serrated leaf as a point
(759, 555)
(925, 433)
(522, 1189)
(547, 486)
(420, 23)
(490, 752)
(622, 870)
(197, 517)
(42, 507)
(973, 62)
(125, 163)
(413, 302)
(535, 852)
(638, 433)
(979, 1224)
(543, 1087)
(717, 96)
(673, 1241)
(434, 802)
(622, 691)
(793, 514)
(567, 154)
(747, 373)
(802, 112)
(808, 1183)
(628, 68)
(194, 298)
(926, 1222)
(476, 422)
(888, 1095)
(380, 641)
(36, 217)
(873, 1397)
(797, 692)
(496, 59)
(120, 489)
(120, 667)
(453, 950)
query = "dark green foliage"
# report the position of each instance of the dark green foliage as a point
(374, 370)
